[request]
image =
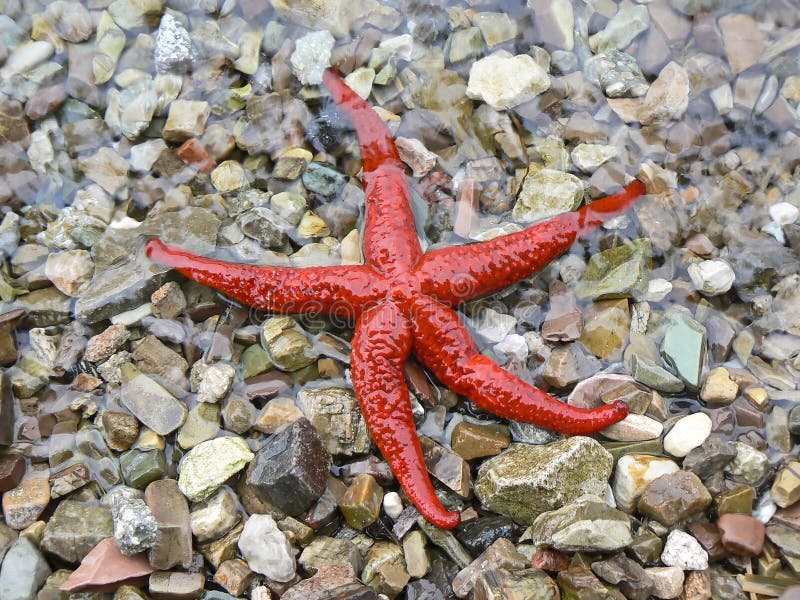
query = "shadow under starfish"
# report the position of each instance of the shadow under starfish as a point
(403, 301)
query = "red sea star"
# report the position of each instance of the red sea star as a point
(403, 300)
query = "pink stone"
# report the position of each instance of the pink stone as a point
(105, 567)
(466, 208)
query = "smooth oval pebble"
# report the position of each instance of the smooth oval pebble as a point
(688, 433)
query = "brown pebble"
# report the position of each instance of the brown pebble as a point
(103, 345)
(194, 154)
(742, 535)
(165, 585)
(550, 560)
(169, 507)
(120, 429)
(471, 441)
(12, 468)
(235, 576)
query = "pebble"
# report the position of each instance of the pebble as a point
(719, 388)
(186, 119)
(69, 270)
(546, 193)
(326, 552)
(311, 56)
(589, 157)
(504, 81)
(175, 584)
(212, 382)
(290, 469)
(743, 40)
(470, 440)
(785, 489)
(414, 153)
(742, 535)
(667, 581)
(684, 347)
(23, 572)
(168, 301)
(105, 565)
(135, 526)
(750, 466)
(634, 428)
(173, 47)
(668, 96)
(632, 579)
(75, 528)
(683, 551)
(634, 473)
(712, 277)
(687, 433)
(621, 29)
(586, 525)
(524, 480)
(150, 402)
(266, 549)
(173, 544)
(209, 464)
(784, 213)
(673, 497)
(215, 516)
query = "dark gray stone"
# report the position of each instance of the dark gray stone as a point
(290, 471)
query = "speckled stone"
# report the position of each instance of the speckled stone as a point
(209, 464)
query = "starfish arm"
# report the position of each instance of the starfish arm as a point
(390, 238)
(381, 344)
(443, 343)
(459, 273)
(338, 290)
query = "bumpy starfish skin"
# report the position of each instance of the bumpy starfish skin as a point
(402, 300)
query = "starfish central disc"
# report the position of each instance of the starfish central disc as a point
(403, 300)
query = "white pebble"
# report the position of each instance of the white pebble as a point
(311, 56)
(688, 433)
(682, 550)
(266, 549)
(393, 505)
(784, 213)
(712, 277)
(513, 345)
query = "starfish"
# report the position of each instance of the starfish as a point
(404, 302)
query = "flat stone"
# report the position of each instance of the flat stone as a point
(684, 348)
(233, 575)
(621, 29)
(290, 470)
(446, 466)
(634, 428)
(174, 539)
(331, 582)
(617, 272)
(527, 480)
(104, 566)
(586, 525)
(75, 528)
(470, 440)
(673, 497)
(167, 585)
(325, 552)
(719, 388)
(150, 402)
(266, 549)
